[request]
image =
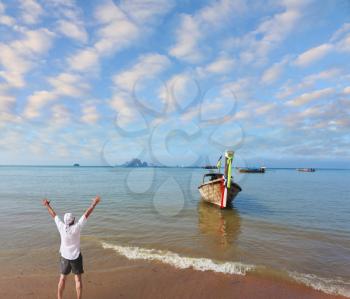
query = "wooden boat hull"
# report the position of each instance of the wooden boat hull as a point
(212, 192)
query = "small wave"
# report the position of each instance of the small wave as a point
(180, 262)
(326, 285)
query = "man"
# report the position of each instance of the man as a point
(71, 258)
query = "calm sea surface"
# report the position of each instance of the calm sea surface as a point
(284, 222)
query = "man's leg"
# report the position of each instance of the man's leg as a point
(78, 285)
(61, 285)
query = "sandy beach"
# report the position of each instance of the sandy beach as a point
(122, 278)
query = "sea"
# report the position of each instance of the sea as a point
(284, 224)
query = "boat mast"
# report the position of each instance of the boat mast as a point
(227, 177)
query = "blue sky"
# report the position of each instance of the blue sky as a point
(175, 82)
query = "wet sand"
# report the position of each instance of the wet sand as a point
(122, 278)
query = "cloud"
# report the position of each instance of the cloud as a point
(5, 19)
(255, 46)
(311, 96)
(274, 72)
(83, 60)
(60, 115)
(6, 102)
(117, 29)
(118, 26)
(188, 36)
(73, 30)
(221, 65)
(149, 11)
(65, 84)
(147, 66)
(344, 29)
(90, 114)
(309, 82)
(31, 11)
(313, 54)
(193, 28)
(36, 101)
(19, 56)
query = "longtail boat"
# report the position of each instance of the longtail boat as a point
(253, 170)
(218, 188)
(306, 169)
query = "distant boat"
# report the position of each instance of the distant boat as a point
(217, 189)
(252, 170)
(76, 165)
(306, 169)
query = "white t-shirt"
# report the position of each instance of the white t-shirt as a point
(70, 237)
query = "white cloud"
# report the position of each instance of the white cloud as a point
(117, 29)
(313, 54)
(68, 84)
(147, 66)
(311, 96)
(6, 102)
(188, 36)
(31, 11)
(83, 60)
(60, 115)
(256, 45)
(344, 29)
(19, 56)
(309, 81)
(221, 65)
(121, 102)
(274, 72)
(37, 101)
(73, 30)
(5, 19)
(65, 84)
(90, 114)
(146, 11)
(193, 28)
(346, 90)
(180, 90)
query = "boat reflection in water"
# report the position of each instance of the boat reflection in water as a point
(221, 226)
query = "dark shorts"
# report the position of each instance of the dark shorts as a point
(74, 266)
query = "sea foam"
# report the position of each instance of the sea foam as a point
(332, 286)
(326, 285)
(178, 261)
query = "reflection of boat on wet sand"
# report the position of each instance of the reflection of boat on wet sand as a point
(221, 226)
(218, 189)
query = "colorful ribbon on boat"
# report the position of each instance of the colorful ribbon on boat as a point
(229, 171)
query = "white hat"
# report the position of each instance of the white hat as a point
(68, 218)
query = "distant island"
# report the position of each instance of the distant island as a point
(135, 163)
(76, 165)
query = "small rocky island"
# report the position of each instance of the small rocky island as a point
(135, 163)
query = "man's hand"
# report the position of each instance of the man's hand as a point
(96, 200)
(94, 203)
(46, 202)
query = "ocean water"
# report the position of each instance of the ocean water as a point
(284, 223)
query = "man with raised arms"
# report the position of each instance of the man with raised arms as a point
(71, 258)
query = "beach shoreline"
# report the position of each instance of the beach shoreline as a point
(122, 278)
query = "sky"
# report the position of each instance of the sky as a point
(175, 82)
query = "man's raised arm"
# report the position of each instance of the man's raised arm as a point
(46, 203)
(94, 203)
